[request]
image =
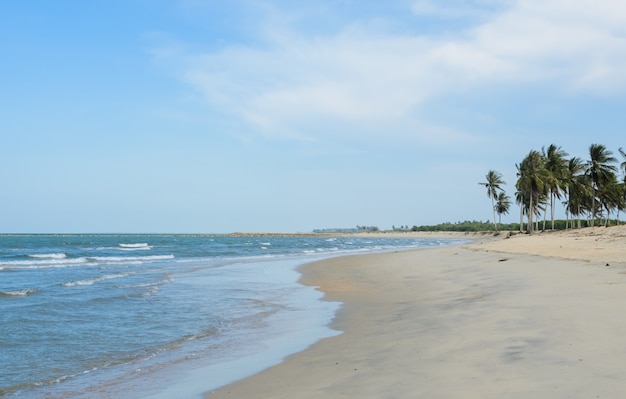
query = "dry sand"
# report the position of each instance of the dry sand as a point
(487, 320)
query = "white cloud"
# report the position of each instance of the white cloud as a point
(299, 81)
(367, 81)
(579, 43)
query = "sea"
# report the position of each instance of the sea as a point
(159, 316)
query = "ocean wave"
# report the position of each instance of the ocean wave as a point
(146, 285)
(151, 291)
(48, 256)
(94, 280)
(17, 293)
(130, 259)
(135, 247)
(42, 263)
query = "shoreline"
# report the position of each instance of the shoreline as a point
(491, 319)
(377, 234)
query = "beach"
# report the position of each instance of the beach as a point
(537, 316)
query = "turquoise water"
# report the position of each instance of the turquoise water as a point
(163, 316)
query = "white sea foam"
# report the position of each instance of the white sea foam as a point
(48, 256)
(151, 291)
(146, 285)
(78, 283)
(135, 247)
(94, 280)
(70, 376)
(25, 292)
(43, 263)
(131, 259)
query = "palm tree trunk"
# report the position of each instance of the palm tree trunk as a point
(493, 206)
(566, 205)
(537, 222)
(545, 214)
(593, 207)
(552, 210)
(530, 214)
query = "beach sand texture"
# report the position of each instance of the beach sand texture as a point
(520, 317)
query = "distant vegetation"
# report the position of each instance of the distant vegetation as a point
(467, 225)
(477, 226)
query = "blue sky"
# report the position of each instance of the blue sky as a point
(204, 116)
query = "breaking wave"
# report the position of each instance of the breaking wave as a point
(94, 280)
(17, 293)
(135, 247)
(48, 256)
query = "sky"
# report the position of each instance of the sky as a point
(218, 116)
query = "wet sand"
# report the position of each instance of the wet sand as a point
(518, 317)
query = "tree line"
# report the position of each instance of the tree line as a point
(464, 226)
(588, 189)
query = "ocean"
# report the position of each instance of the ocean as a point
(159, 316)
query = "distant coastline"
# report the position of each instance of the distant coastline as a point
(395, 234)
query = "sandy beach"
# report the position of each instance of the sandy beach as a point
(537, 316)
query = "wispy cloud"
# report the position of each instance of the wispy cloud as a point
(373, 81)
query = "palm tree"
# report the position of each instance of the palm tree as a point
(610, 194)
(600, 171)
(575, 188)
(503, 203)
(493, 185)
(557, 168)
(522, 201)
(531, 182)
